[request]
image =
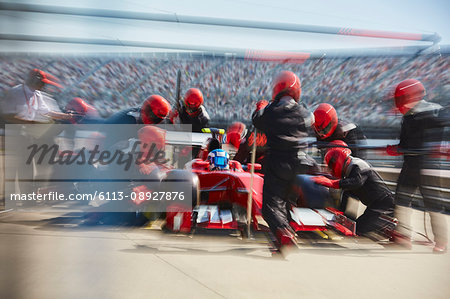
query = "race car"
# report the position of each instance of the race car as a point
(223, 190)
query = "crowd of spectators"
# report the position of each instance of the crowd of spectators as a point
(358, 87)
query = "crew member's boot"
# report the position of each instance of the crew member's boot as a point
(402, 233)
(288, 241)
(439, 227)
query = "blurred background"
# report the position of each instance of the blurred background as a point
(114, 54)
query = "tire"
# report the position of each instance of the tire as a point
(184, 175)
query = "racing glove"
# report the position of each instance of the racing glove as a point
(321, 180)
(174, 117)
(261, 104)
(392, 150)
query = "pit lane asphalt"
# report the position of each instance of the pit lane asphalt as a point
(56, 255)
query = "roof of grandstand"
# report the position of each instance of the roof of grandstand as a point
(121, 26)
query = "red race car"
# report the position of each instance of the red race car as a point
(222, 196)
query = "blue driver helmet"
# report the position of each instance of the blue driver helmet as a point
(218, 160)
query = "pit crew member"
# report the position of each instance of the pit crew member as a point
(328, 127)
(422, 122)
(285, 122)
(362, 182)
(192, 111)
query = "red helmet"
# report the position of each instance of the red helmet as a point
(154, 110)
(79, 106)
(193, 99)
(235, 133)
(337, 158)
(152, 135)
(287, 83)
(81, 109)
(39, 77)
(339, 144)
(325, 120)
(407, 94)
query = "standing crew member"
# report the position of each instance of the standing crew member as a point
(192, 112)
(422, 122)
(242, 140)
(328, 127)
(27, 103)
(285, 123)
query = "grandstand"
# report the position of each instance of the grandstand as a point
(356, 79)
(357, 86)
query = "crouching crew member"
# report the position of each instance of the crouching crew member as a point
(361, 181)
(153, 111)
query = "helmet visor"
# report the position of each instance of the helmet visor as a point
(323, 131)
(220, 162)
(151, 118)
(191, 109)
